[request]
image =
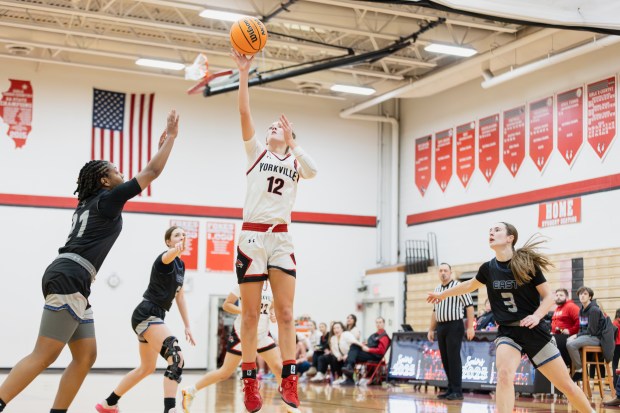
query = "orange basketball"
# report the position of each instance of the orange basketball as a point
(248, 35)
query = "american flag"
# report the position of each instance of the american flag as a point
(124, 141)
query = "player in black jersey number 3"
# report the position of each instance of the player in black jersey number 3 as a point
(520, 297)
(67, 315)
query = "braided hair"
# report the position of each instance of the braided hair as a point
(89, 180)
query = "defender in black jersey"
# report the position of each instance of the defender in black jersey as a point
(520, 297)
(67, 316)
(147, 321)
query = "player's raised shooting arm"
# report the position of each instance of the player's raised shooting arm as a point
(156, 165)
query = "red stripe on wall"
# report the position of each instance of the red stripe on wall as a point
(187, 210)
(131, 115)
(605, 183)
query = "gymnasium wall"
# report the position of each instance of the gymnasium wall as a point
(204, 177)
(460, 216)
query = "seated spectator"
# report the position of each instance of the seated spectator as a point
(352, 326)
(373, 350)
(591, 323)
(339, 343)
(564, 322)
(301, 355)
(319, 349)
(486, 320)
(314, 336)
(614, 363)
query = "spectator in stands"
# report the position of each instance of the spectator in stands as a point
(314, 336)
(352, 326)
(486, 320)
(339, 343)
(565, 321)
(591, 323)
(447, 319)
(319, 349)
(373, 350)
(301, 355)
(614, 363)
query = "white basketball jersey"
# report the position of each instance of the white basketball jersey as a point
(265, 306)
(271, 185)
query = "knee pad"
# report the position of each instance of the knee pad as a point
(170, 349)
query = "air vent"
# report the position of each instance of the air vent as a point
(309, 88)
(19, 49)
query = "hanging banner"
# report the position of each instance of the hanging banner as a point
(570, 123)
(443, 158)
(423, 153)
(541, 131)
(220, 246)
(465, 151)
(562, 212)
(488, 152)
(514, 139)
(16, 110)
(190, 255)
(602, 115)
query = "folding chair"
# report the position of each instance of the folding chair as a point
(378, 369)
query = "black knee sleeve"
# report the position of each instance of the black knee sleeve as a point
(170, 349)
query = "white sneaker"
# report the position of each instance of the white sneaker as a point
(319, 377)
(339, 381)
(188, 398)
(173, 410)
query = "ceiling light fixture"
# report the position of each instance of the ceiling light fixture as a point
(356, 90)
(221, 15)
(451, 50)
(160, 64)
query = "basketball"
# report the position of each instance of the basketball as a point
(248, 35)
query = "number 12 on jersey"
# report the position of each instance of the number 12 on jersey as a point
(275, 185)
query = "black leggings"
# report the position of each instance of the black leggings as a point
(330, 360)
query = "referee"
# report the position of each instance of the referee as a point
(447, 319)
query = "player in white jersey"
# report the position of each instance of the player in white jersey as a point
(266, 345)
(265, 249)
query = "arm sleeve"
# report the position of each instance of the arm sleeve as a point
(307, 167)
(538, 278)
(483, 274)
(111, 204)
(593, 323)
(253, 149)
(381, 349)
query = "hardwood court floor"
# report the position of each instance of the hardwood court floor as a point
(226, 397)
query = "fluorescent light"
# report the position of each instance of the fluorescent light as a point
(356, 90)
(160, 64)
(453, 50)
(221, 15)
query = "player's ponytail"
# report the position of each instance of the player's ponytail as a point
(526, 259)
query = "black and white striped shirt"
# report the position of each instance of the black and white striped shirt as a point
(452, 308)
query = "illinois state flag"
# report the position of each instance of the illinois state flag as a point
(122, 130)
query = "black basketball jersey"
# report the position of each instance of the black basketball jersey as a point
(166, 281)
(509, 301)
(97, 223)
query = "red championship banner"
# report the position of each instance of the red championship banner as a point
(488, 149)
(602, 115)
(443, 158)
(541, 131)
(423, 152)
(190, 256)
(220, 246)
(16, 110)
(570, 123)
(561, 212)
(465, 151)
(514, 139)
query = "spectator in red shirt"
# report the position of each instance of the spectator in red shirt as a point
(614, 363)
(565, 321)
(373, 350)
